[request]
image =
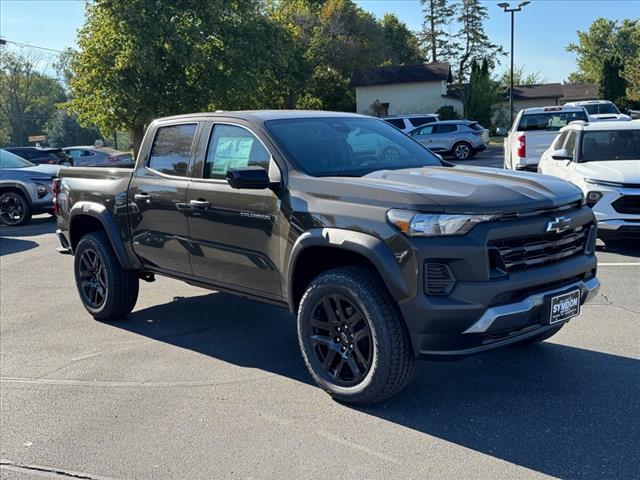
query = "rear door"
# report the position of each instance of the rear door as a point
(443, 137)
(157, 198)
(234, 232)
(424, 135)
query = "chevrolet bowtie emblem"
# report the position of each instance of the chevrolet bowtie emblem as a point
(558, 224)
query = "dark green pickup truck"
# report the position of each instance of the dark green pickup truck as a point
(385, 252)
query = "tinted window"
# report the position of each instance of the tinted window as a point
(171, 149)
(11, 160)
(233, 147)
(559, 142)
(596, 108)
(476, 126)
(417, 121)
(445, 128)
(549, 121)
(347, 146)
(424, 131)
(610, 145)
(396, 122)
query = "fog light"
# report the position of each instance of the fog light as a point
(41, 189)
(593, 198)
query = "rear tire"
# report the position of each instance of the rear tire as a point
(107, 291)
(352, 336)
(14, 209)
(462, 151)
(541, 337)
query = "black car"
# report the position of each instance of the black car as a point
(39, 155)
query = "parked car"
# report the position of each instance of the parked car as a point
(39, 155)
(382, 261)
(97, 156)
(25, 188)
(407, 123)
(532, 132)
(600, 110)
(603, 160)
(460, 138)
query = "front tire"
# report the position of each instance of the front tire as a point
(14, 209)
(352, 337)
(107, 291)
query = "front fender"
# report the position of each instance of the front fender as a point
(364, 244)
(111, 228)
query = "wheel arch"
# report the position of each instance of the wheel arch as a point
(87, 217)
(18, 188)
(321, 249)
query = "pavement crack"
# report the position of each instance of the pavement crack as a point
(50, 472)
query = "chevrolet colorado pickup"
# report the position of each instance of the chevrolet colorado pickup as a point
(382, 261)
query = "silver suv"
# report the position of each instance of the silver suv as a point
(460, 138)
(407, 123)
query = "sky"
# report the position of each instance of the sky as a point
(542, 29)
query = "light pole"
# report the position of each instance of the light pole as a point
(507, 8)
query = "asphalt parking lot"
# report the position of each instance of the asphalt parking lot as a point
(198, 384)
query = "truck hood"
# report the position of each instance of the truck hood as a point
(475, 189)
(620, 171)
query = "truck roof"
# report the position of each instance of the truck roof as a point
(263, 115)
(603, 126)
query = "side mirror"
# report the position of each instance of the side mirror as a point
(561, 154)
(255, 178)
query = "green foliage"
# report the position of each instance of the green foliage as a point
(63, 130)
(27, 98)
(439, 45)
(631, 74)
(520, 77)
(480, 94)
(402, 46)
(612, 85)
(447, 112)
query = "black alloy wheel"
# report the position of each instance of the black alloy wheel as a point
(93, 278)
(14, 209)
(342, 340)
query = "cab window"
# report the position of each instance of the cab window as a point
(171, 149)
(231, 146)
(570, 144)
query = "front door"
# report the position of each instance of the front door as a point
(234, 232)
(157, 200)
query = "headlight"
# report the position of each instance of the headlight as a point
(41, 189)
(414, 224)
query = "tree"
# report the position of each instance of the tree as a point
(63, 130)
(612, 85)
(438, 43)
(402, 45)
(631, 74)
(28, 98)
(141, 59)
(475, 43)
(480, 94)
(604, 39)
(520, 77)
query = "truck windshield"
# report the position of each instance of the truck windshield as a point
(11, 160)
(549, 121)
(604, 145)
(596, 108)
(343, 146)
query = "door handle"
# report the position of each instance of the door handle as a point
(199, 204)
(142, 197)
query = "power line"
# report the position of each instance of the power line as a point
(4, 40)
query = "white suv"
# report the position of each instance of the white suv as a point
(603, 159)
(407, 123)
(532, 132)
(600, 110)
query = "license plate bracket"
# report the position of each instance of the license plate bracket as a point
(564, 306)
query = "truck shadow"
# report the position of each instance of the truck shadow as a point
(15, 245)
(39, 225)
(563, 411)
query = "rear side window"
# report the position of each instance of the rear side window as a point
(396, 122)
(549, 121)
(475, 126)
(445, 128)
(233, 147)
(171, 149)
(417, 121)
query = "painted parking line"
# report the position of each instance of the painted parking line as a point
(618, 264)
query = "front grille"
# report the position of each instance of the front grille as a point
(627, 204)
(535, 251)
